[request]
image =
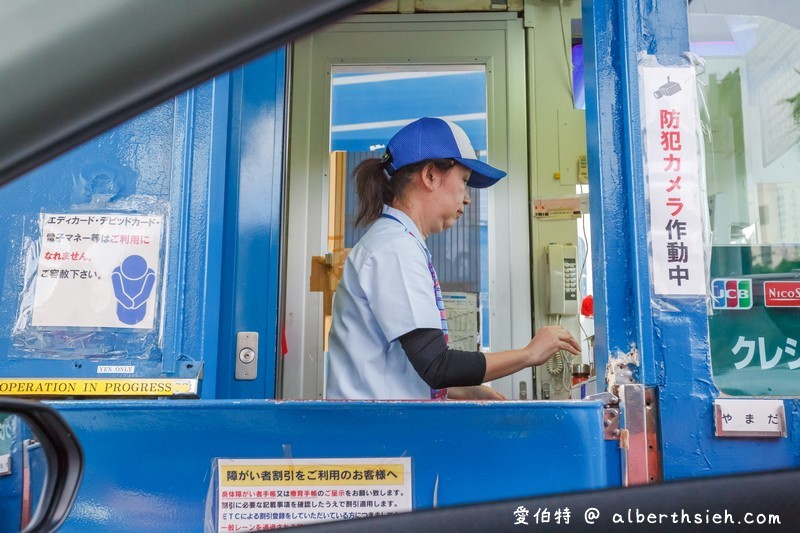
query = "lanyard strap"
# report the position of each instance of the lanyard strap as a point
(436, 394)
(387, 215)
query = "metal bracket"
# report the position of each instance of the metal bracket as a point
(246, 356)
(610, 414)
(652, 424)
(631, 417)
(641, 455)
(611, 423)
(633, 441)
(606, 397)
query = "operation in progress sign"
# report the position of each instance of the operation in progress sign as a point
(259, 494)
(98, 270)
(97, 387)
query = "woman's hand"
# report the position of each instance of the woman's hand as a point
(548, 341)
(480, 392)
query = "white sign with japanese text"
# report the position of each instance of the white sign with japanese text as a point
(672, 165)
(98, 270)
(260, 494)
(749, 418)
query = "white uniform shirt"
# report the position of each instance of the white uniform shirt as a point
(386, 291)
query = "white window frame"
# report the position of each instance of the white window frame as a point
(494, 39)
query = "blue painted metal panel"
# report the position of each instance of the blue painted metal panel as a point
(672, 335)
(253, 204)
(478, 453)
(615, 321)
(161, 156)
(214, 227)
(213, 156)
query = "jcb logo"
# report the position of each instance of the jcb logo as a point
(732, 293)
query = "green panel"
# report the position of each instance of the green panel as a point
(7, 433)
(755, 331)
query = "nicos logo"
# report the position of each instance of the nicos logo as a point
(782, 294)
(732, 293)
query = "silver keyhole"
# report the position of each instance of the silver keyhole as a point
(247, 355)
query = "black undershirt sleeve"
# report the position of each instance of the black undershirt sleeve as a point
(438, 365)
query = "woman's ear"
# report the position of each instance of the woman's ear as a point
(429, 174)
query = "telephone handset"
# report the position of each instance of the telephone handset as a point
(562, 269)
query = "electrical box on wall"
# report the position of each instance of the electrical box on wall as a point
(583, 170)
(571, 128)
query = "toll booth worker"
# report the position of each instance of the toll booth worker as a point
(388, 339)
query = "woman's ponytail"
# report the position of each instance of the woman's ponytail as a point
(373, 190)
(374, 187)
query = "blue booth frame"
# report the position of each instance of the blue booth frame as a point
(149, 463)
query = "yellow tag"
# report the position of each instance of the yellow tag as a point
(97, 387)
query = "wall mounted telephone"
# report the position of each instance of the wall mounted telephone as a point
(562, 271)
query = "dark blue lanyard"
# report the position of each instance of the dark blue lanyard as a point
(387, 215)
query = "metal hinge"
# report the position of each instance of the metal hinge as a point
(639, 438)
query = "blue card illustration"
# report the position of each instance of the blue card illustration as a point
(133, 281)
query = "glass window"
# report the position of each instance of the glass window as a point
(369, 105)
(751, 93)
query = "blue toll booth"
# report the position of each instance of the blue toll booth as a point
(203, 173)
(152, 370)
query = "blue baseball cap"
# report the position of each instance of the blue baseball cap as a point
(435, 138)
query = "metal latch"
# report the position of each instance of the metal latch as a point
(246, 355)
